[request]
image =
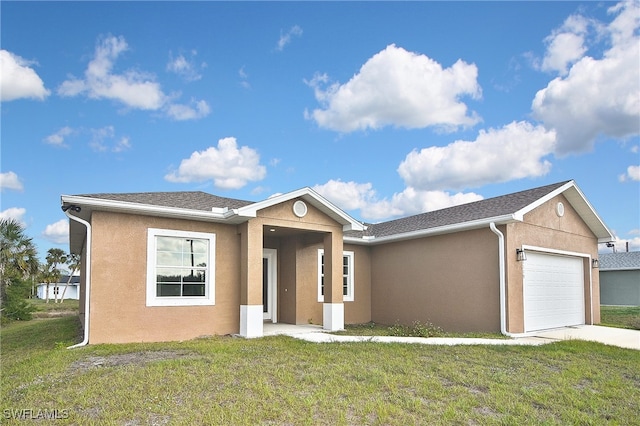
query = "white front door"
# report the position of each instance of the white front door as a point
(270, 284)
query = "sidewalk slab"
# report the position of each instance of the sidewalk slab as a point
(624, 338)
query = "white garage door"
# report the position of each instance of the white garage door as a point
(553, 291)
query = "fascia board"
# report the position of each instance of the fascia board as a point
(577, 199)
(136, 208)
(348, 223)
(622, 268)
(448, 229)
(540, 201)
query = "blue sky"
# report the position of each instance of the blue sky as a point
(387, 109)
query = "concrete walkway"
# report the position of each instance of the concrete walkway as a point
(623, 338)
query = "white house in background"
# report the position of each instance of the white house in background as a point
(58, 288)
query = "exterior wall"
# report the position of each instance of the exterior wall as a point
(449, 280)
(298, 281)
(542, 227)
(70, 293)
(118, 311)
(620, 287)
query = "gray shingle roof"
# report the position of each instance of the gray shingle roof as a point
(624, 260)
(483, 209)
(195, 200)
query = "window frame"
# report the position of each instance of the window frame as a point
(152, 298)
(350, 296)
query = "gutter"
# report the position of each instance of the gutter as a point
(503, 297)
(87, 260)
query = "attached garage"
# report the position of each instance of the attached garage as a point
(553, 291)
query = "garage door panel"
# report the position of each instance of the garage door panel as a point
(553, 291)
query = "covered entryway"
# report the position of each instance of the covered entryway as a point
(553, 291)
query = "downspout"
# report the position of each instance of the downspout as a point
(87, 269)
(503, 299)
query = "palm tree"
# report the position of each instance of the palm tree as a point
(73, 262)
(18, 255)
(55, 257)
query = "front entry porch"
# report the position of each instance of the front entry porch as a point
(271, 329)
(279, 277)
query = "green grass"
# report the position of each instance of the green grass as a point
(415, 330)
(620, 316)
(280, 380)
(51, 309)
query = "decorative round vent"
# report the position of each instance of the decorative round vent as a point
(299, 208)
(560, 209)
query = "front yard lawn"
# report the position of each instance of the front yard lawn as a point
(620, 316)
(280, 380)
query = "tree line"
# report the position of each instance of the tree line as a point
(21, 270)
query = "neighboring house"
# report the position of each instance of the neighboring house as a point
(620, 278)
(57, 289)
(178, 265)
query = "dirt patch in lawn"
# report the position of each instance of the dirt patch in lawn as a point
(134, 358)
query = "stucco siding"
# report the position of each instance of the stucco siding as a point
(450, 280)
(543, 228)
(118, 311)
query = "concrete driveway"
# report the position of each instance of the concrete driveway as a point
(621, 337)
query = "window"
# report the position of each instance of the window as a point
(180, 268)
(347, 276)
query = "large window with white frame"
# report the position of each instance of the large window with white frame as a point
(347, 276)
(180, 268)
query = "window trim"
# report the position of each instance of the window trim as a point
(152, 299)
(350, 296)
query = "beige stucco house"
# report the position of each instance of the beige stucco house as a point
(179, 265)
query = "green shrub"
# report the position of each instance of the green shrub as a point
(416, 329)
(15, 305)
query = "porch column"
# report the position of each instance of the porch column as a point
(251, 310)
(333, 307)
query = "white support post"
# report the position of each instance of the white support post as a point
(251, 321)
(333, 316)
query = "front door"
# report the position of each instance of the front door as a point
(269, 284)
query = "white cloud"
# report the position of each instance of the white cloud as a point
(104, 139)
(285, 38)
(361, 196)
(515, 151)
(16, 213)
(597, 96)
(565, 45)
(58, 138)
(134, 89)
(347, 195)
(58, 232)
(10, 180)
(398, 88)
(18, 80)
(230, 167)
(185, 67)
(633, 174)
(195, 110)
(244, 78)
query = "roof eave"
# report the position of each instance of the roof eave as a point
(447, 229)
(580, 204)
(146, 209)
